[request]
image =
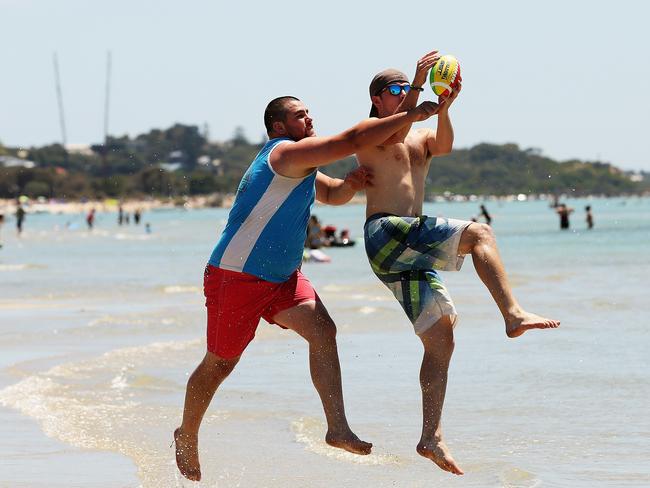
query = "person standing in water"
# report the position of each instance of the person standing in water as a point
(90, 219)
(407, 249)
(2, 221)
(589, 217)
(563, 211)
(20, 218)
(486, 215)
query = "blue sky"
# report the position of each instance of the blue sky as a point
(570, 78)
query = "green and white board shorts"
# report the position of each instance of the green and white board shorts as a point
(406, 254)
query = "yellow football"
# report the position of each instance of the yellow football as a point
(445, 75)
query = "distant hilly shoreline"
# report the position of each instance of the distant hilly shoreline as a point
(180, 162)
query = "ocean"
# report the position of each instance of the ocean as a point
(100, 330)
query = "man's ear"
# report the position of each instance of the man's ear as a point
(376, 101)
(279, 128)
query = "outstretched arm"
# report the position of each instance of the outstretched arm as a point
(335, 191)
(411, 99)
(299, 159)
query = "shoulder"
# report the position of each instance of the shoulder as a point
(422, 133)
(275, 144)
(419, 137)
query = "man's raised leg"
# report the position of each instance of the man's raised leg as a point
(312, 322)
(201, 387)
(479, 241)
(438, 343)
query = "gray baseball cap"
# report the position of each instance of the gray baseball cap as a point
(381, 81)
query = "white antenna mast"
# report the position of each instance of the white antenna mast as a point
(57, 78)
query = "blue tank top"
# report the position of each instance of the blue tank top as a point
(267, 224)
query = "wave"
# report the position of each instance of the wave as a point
(309, 431)
(182, 289)
(367, 310)
(132, 237)
(20, 267)
(94, 404)
(518, 478)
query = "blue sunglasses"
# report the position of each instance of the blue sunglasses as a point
(397, 89)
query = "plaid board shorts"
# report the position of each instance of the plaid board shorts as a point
(406, 252)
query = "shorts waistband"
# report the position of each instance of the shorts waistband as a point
(379, 215)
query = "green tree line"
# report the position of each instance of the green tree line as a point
(180, 161)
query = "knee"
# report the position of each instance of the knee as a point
(439, 339)
(324, 331)
(218, 367)
(439, 356)
(482, 234)
(328, 329)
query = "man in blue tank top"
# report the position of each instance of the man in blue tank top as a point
(254, 273)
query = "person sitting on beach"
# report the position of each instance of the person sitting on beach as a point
(314, 233)
(254, 272)
(406, 249)
(329, 235)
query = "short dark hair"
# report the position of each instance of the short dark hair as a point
(276, 110)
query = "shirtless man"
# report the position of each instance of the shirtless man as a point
(406, 248)
(254, 272)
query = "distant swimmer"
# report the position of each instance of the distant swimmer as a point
(563, 211)
(254, 270)
(589, 217)
(407, 249)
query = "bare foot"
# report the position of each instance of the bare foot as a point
(439, 453)
(349, 442)
(187, 455)
(524, 321)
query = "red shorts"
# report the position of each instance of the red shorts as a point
(236, 302)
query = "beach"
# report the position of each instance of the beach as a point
(100, 330)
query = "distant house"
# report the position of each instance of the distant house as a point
(82, 149)
(170, 167)
(14, 162)
(175, 161)
(636, 176)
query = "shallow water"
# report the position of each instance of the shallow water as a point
(99, 332)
